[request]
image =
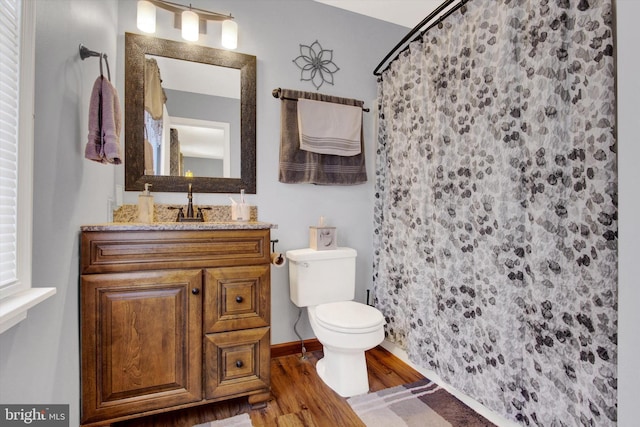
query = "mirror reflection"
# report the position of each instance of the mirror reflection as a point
(190, 116)
(191, 125)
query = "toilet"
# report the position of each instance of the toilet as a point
(324, 282)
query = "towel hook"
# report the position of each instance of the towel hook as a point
(87, 53)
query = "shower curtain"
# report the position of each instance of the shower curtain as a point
(495, 222)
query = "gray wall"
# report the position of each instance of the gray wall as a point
(273, 31)
(213, 108)
(203, 167)
(203, 107)
(39, 361)
(628, 34)
(39, 358)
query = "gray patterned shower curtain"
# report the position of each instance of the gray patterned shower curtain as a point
(495, 258)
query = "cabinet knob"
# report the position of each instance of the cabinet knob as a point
(239, 299)
(239, 363)
(195, 291)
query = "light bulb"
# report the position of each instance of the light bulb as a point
(190, 26)
(146, 18)
(229, 34)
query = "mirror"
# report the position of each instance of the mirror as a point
(202, 114)
(225, 166)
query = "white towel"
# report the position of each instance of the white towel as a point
(329, 128)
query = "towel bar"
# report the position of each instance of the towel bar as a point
(277, 93)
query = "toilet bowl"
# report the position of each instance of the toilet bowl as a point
(346, 330)
(324, 282)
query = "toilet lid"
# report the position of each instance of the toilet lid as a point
(349, 316)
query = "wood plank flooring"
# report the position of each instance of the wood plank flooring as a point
(301, 399)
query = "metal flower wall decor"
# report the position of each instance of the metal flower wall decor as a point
(316, 64)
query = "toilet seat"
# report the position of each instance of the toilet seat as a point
(349, 317)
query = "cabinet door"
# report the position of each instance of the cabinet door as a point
(141, 342)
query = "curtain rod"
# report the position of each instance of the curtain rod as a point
(410, 35)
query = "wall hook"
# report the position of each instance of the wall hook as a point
(86, 53)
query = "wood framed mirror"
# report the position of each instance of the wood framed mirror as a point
(241, 174)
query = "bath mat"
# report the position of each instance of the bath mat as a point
(419, 404)
(242, 420)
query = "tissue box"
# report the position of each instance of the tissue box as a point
(323, 238)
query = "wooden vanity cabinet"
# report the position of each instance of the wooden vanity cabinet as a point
(171, 319)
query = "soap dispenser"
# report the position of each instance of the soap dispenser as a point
(145, 205)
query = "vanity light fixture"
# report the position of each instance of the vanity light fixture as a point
(190, 25)
(229, 34)
(146, 19)
(191, 20)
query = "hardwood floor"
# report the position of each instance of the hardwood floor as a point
(300, 396)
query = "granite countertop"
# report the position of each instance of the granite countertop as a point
(159, 226)
(216, 218)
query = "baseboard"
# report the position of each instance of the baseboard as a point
(294, 347)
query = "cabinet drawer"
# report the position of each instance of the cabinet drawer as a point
(236, 363)
(147, 250)
(236, 298)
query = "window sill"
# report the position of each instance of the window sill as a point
(14, 309)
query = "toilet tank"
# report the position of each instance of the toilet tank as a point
(318, 277)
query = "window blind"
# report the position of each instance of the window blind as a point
(9, 125)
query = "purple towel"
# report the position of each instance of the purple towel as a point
(93, 150)
(105, 121)
(111, 123)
